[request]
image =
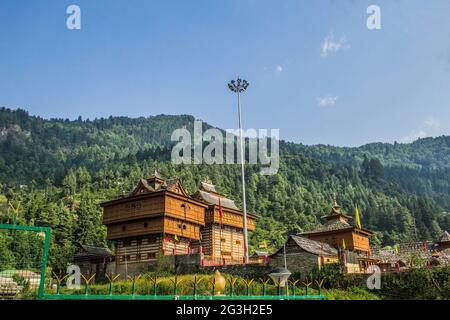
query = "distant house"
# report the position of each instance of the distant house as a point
(441, 254)
(432, 254)
(303, 255)
(260, 256)
(444, 242)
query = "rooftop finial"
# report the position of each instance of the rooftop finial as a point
(335, 208)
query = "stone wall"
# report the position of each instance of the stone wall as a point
(131, 269)
(187, 263)
(298, 261)
(255, 271)
(181, 264)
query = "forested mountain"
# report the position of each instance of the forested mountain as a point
(60, 170)
(421, 167)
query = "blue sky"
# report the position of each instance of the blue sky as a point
(140, 58)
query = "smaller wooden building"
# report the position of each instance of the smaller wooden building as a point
(352, 242)
(95, 260)
(444, 241)
(338, 232)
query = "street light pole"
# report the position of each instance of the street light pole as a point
(239, 86)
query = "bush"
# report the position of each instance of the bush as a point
(417, 283)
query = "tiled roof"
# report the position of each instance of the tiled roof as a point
(94, 251)
(258, 253)
(314, 247)
(156, 183)
(207, 192)
(213, 199)
(331, 226)
(208, 187)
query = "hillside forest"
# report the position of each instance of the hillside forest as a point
(55, 172)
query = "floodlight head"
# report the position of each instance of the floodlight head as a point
(238, 85)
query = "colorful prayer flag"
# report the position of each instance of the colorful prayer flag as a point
(263, 245)
(424, 247)
(343, 244)
(176, 238)
(357, 218)
(220, 212)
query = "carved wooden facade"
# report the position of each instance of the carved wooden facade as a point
(339, 233)
(223, 235)
(160, 217)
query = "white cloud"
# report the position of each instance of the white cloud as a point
(430, 124)
(279, 69)
(413, 136)
(331, 45)
(327, 101)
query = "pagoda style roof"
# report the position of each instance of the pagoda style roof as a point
(445, 237)
(155, 183)
(335, 211)
(208, 187)
(213, 199)
(207, 192)
(334, 225)
(336, 221)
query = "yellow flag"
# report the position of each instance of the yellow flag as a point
(263, 245)
(343, 244)
(396, 249)
(176, 238)
(357, 218)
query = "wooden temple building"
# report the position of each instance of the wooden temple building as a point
(160, 217)
(353, 242)
(94, 260)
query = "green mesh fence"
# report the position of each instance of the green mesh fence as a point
(23, 270)
(23, 260)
